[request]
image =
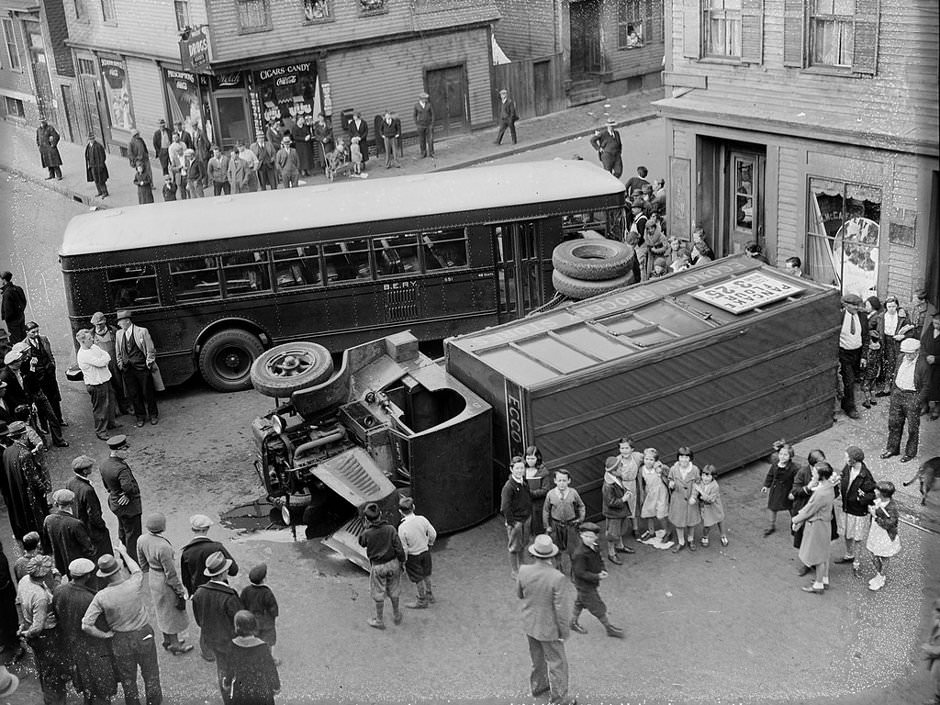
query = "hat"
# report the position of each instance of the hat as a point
(407, 504)
(161, 121)
(543, 547)
(921, 293)
(39, 566)
(107, 565)
(11, 357)
(20, 347)
(852, 299)
(589, 526)
(80, 567)
(190, 151)
(372, 512)
(31, 324)
(856, 454)
(257, 574)
(118, 441)
(63, 496)
(155, 523)
(16, 428)
(910, 345)
(610, 121)
(422, 94)
(97, 317)
(82, 462)
(123, 313)
(503, 91)
(8, 682)
(611, 463)
(200, 522)
(216, 564)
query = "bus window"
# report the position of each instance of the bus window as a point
(347, 260)
(297, 266)
(196, 278)
(133, 285)
(246, 273)
(445, 249)
(396, 255)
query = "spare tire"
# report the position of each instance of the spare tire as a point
(288, 368)
(581, 289)
(593, 260)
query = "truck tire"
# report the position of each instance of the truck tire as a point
(288, 368)
(225, 359)
(581, 289)
(592, 260)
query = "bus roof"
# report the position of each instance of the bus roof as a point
(216, 218)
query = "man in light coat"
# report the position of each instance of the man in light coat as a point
(218, 167)
(287, 164)
(137, 361)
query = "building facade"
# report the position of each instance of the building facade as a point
(810, 127)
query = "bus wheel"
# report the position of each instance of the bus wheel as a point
(580, 289)
(225, 359)
(288, 368)
(593, 259)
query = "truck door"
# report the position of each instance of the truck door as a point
(519, 268)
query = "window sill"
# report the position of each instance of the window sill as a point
(626, 48)
(109, 23)
(833, 71)
(725, 60)
(254, 30)
(373, 12)
(318, 20)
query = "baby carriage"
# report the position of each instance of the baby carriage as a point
(337, 161)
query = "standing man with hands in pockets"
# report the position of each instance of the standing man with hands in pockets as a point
(137, 361)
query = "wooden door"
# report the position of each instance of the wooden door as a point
(585, 35)
(449, 98)
(520, 270)
(91, 103)
(232, 118)
(542, 86)
(743, 202)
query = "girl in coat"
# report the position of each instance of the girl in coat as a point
(614, 509)
(143, 178)
(684, 516)
(883, 540)
(630, 463)
(815, 520)
(707, 494)
(540, 482)
(252, 677)
(777, 485)
(656, 501)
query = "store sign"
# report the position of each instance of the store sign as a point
(194, 50)
(746, 293)
(285, 91)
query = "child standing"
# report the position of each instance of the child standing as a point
(684, 516)
(562, 512)
(615, 509)
(655, 507)
(883, 540)
(707, 494)
(587, 569)
(417, 535)
(355, 155)
(630, 463)
(169, 188)
(144, 180)
(386, 556)
(873, 360)
(258, 599)
(538, 478)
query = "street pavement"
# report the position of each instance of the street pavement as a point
(21, 156)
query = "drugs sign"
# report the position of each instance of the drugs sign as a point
(746, 293)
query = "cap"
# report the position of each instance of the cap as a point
(422, 94)
(31, 324)
(82, 462)
(190, 151)
(80, 567)
(118, 441)
(97, 317)
(503, 91)
(11, 357)
(107, 565)
(20, 347)
(135, 131)
(257, 574)
(590, 526)
(91, 135)
(16, 428)
(611, 463)
(372, 511)
(856, 454)
(216, 564)
(200, 522)
(123, 313)
(155, 523)
(407, 504)
(543, 547)
(852, 299)
(610, 121)
(910, 345)
(63, 496)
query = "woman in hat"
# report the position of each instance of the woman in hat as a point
(155, 554)
(252, 674)
(683, 475)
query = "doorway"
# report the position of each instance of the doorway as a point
(447, 88)
(90, 99)
(743, 201)
(37, 61)
(542, 84)
(231, 117)
(520, 270)
(585, 37)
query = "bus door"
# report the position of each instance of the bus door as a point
(519, 268)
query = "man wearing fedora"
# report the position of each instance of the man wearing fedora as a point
(587, 569)
(137, 361)
(96, 166)
(609, 148)
(507, 116)
(87, 507)
(67, 535)
(104, 336)
(24, 485)
(853, 344)
(214, 607)
(908, 392)
(95, 365)
(546, 621)
(162, 139)
(123, 493)
(124, 606)
(194, 554)
(424, 124)
(386, 557)
(91, 660)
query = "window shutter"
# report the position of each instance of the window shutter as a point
(865, 49)
(649, 25)
(794, 29)
(691, 29)
(752, 31)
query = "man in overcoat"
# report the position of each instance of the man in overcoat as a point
(424, 123)
(24, 485)
(91, 660)
(123, 493)
(287, 164)
(857, 488)
(609, 148)
(137, 149)
(47, 139)
(87, 507)
(137, 360)
(67, 535)
(546, 620)
(214, 606)
(96, 167)
(13, 307)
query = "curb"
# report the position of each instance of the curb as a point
(55, 186)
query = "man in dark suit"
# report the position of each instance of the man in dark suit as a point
(214, 606)
(87, 507)
(853, 344)
(507, 116)
(546, 621)
(123, 493)
(41, 349)
(360, 128)
(162, 139)
(609, 148)
(266, 153)
(13, 307)
(390, 130)
(96, 167)
(67, 535)
(424, 123)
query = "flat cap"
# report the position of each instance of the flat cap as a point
(910, 345)
(82, 462)
(590, 526)
(11, 357)
(258, 573)
(80, 567)
(118, 441)
(155, 523)
(63, 496)
(39, 566)
(199, 522)
(97, 317)
(852, 299)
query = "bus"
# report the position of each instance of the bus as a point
(218, 280)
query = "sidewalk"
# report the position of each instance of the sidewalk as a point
(21, 156)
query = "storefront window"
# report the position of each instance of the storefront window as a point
(287, 91)
(184, 100)
(117, 94)
(842, 240)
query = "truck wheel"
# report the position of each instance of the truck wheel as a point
(580, 289)
(288, 368)
(592, 260)
(225, 359)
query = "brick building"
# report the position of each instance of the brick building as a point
(811, 127)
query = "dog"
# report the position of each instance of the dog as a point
(927, 473)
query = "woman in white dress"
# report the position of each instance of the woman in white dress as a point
(883, 540)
